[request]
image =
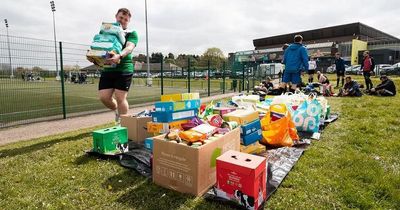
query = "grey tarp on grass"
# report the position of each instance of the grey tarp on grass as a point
(279, 162)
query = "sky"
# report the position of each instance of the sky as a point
(189, 26)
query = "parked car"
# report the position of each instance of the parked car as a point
(392, 70)
(379, 67)
(332, 69)
(355, 70)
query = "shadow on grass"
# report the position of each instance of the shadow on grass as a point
(149, 196)
(91, 156)
(40, 146)
(124, 180)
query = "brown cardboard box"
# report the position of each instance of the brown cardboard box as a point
(188, 169)
(137, 127)
(241, 116)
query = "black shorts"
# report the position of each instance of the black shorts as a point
(311, 71)
(115, 80)
(340, 73)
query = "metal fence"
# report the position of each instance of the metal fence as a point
(31, 92)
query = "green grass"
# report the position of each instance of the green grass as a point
(30, 100)
(356, 165)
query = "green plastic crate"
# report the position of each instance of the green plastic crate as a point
(110, 140)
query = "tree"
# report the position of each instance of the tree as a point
(37, 69)
(215, 56)
(140, 58)
(169, 60)
(156, 57)
(171, 56)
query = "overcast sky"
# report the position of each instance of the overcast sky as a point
(189, 26)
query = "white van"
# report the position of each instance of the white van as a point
(270, 69)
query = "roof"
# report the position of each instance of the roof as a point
(337, 33)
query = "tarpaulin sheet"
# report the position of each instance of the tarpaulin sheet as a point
(279, 162)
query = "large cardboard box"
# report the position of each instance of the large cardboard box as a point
(137, 127)
(188, 169)
(242, 178)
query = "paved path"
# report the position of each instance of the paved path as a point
(41, 129)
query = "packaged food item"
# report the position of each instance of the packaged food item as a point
(206, 129)
(192, 136)
(231, 125)
(215, 120)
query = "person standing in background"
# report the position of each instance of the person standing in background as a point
(340, 69)
(296, 61)
(311, 69)
(367, 66)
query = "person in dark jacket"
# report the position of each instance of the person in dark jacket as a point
(386, 88)
(340, 69)
(295, 59)
(351, 88)
(367, 66)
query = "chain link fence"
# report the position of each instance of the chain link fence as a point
(34, 88)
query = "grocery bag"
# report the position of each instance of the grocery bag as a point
(307, 116)
(280, 132)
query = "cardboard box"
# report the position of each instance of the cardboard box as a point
(223, 110)
(110, 140)
(250, 128)
(190, 96)
(188, 169)
(165, 117)
(241, 116)
(242, 178)
(137, 127)
(180, 97)
(171, 97)
(153, 127)
(148, 143)
(251, 138)
(255, 148)
(177, 106)
(99, 57)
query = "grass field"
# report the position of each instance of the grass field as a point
(30, 100)
(355, 165)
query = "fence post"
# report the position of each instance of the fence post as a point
(223, 78)
(162, 75)
(188, 81)
(243, 77)
(208, 79)
(247, 80)
(62, 83)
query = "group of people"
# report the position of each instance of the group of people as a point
(296, 62)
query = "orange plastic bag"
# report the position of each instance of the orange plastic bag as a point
(280, 132)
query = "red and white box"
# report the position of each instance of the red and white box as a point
(242, 177)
